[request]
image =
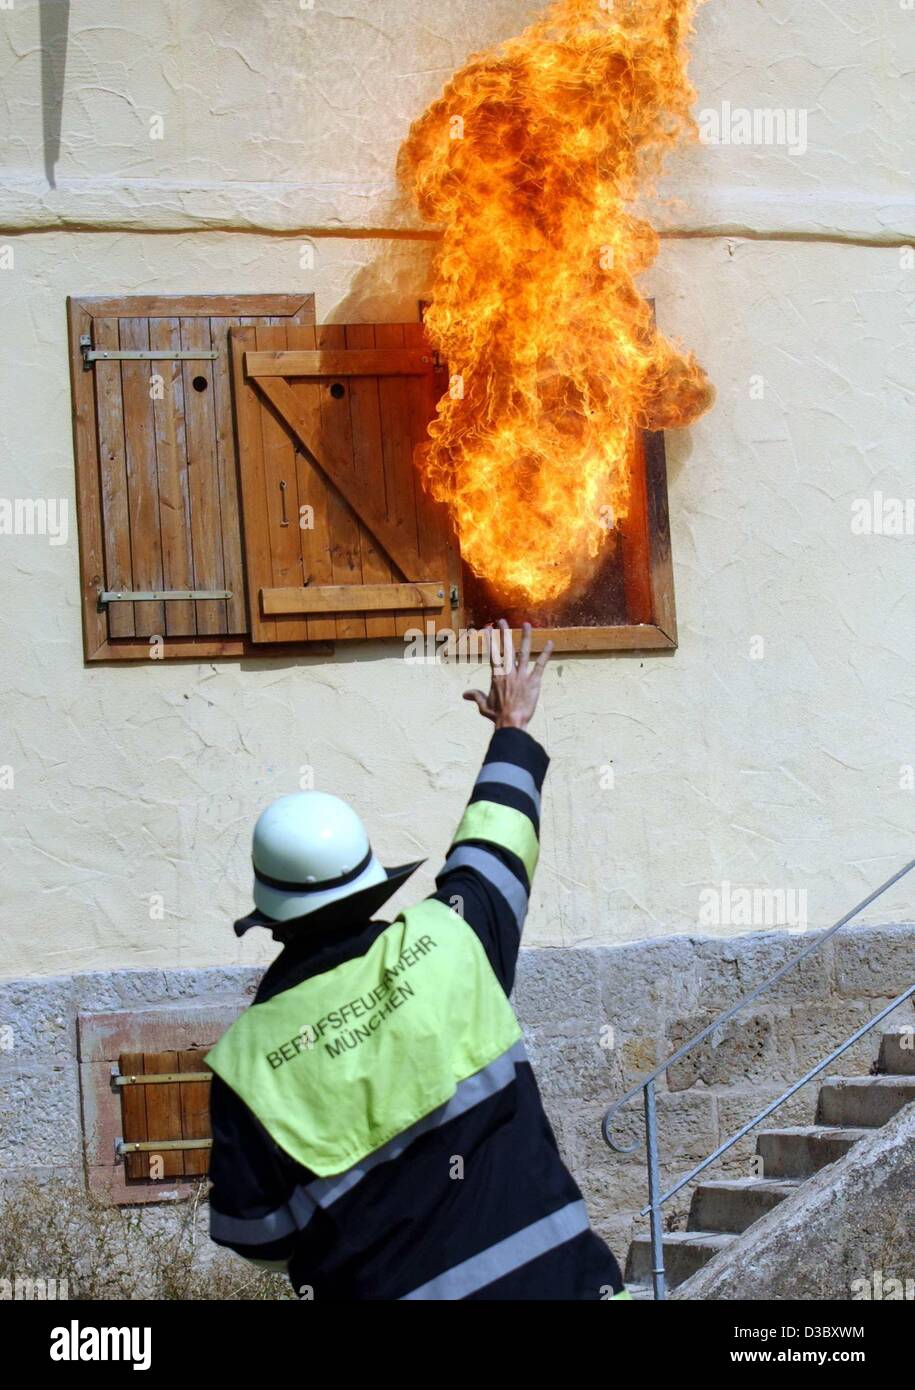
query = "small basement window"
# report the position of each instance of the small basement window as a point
(145, 1092)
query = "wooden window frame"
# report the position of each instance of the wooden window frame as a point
(646, 530)
(102, 1039)
(649, 519)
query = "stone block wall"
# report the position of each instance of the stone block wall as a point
(595, 1021)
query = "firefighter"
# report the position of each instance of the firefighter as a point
(377, 1129)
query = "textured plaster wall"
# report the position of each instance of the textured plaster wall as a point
(296, 121)
(785, 772)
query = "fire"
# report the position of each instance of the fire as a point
(530, 161)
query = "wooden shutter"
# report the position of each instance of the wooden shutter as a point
(156, 1114)
(341, 539)
(157, 477)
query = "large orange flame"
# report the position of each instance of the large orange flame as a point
(529, 161)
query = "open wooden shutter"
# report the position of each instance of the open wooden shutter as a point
(157, 488)
(341, 539)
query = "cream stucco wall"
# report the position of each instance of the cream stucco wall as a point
(784, 771)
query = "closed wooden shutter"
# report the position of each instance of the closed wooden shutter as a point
(158, 1114)
(157, 469)
(341, 539)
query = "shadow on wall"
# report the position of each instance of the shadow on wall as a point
(388, 289)
(54, 21)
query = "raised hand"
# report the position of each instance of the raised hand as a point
(515, 682)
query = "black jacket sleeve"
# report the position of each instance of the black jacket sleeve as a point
(486, 877)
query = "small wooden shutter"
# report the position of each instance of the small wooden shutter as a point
(341, 539)
(157, 478)
(163, 1112)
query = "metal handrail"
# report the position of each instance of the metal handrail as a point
(656, 1198)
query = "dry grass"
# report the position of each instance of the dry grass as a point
(60, 1231)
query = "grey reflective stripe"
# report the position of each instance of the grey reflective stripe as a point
(295, 1214)
(507, 1255)
(494, 871)
(470, 1092)
(511, 776)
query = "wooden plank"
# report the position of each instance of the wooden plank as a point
(336, 434)
(368, 465)
(635, 543)
(432, 521)
(399, 540)
(397, 448)
(227, 470)
(313, 490)
(203, 649)
(629, 637)
(354, 598)
(626, 637)
(368, 362)
(282, 499)
(255, 525)
(171, 465)
(133, 1113)
(163, 1114)
(207, 305)
(195, 1112)
(142, 477)
(206, 521)
(88, 485)
(664, 610)
(112, 456)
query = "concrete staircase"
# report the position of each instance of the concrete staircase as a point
(848, 1108)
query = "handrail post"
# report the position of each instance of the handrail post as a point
(654, 1194)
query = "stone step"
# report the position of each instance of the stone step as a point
(803, 1150)
(641, 1293)
(733, 1204)
(863, 1100)
(897, 1053)
(684, 1253)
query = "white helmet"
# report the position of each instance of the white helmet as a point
(310, 850)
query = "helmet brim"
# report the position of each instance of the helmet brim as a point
(353, 908)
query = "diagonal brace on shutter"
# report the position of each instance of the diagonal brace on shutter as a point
(282, 397)
(354, 598)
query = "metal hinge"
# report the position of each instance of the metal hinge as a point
(159, 595)
(146, 1146)
(159, 1078)
(455, 596)
(91, 354)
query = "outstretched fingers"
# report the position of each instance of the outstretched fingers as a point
(543, 658)
(526, 633)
